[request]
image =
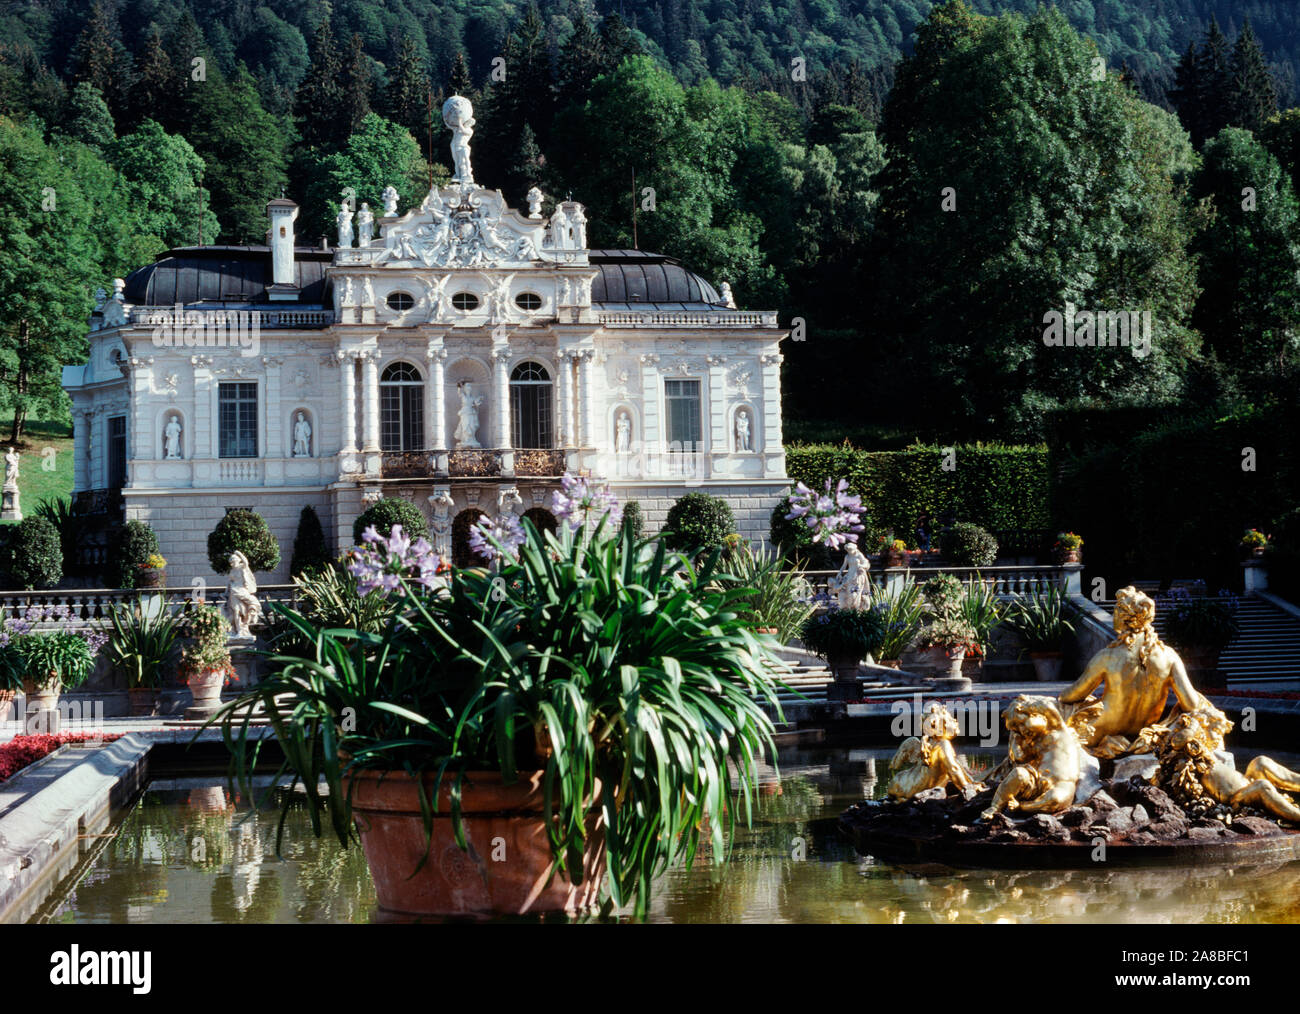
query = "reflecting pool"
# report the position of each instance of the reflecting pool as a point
(188, 851)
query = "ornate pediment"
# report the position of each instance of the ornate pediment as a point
(462, 227)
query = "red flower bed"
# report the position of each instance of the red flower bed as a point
(21, 751)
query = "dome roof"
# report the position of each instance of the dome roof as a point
(235, 274)
(242, 274)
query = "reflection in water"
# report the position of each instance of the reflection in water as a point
(188, 852)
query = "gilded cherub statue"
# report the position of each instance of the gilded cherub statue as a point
(1196, 775)
(1044, 758)
(1136, 672)
(928, 761)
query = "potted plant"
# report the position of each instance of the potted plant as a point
(844, 637)
(578, 712)
(1200, 627)
(900, 616)
(152, 573)
(893, 553)
(1067, 548)
(1040, 622)
(205, 663)
(776, 599)
(54, 661)
(141, 639)
(1255, 542)
(980, 609)
(944, 642)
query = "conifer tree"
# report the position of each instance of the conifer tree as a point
(406, 99)
(459, 81)
(1254, 94)
(357, 84)
(320, 93)
(581, 60)
(155, 90)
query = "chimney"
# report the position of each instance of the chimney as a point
(282, 213)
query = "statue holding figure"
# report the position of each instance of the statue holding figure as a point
(929, 762)
(172, 439)
(302, 437)
(1135, 672)
(242, 607)
(365, 225)
(458, 115)
(851, 587)
(466, 434)
(345, 227)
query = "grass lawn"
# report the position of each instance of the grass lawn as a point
(35, 482)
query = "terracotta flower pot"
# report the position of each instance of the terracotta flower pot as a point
(893, 558)
(144, 701)
(151, 577)
(1047, 665)
(43, 698)
(1065, 556)
(206, 689)
(508, 862)
(6, 699)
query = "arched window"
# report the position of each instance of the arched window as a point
(401, 409)
(531, 416)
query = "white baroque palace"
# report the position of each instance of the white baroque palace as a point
(462, 356)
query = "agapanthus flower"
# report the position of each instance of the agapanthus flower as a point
(834, 517)
(381, 564)
(486, 536)
(578, 503)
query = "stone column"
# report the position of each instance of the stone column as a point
(767, 433)
(586, 399)
(651, 432)
(501, 394)
(348, 381)
(721, 439)
(564, 436)
(142, 428)
(435, 412)
(203, 426)
(370, 401)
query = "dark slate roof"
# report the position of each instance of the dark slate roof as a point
(243, 273)
(196, 274)
(636, 276)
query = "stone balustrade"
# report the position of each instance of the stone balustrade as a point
(87, 606)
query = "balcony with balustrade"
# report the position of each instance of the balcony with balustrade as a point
(474, 463)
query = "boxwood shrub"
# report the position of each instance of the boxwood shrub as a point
(134, 543)
(388, 512)
(968, 545)
(698, 521)
(36, 558)
(247, 532)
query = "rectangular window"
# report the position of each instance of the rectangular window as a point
(401, 417)
(237, 420)
(116, 451)
(682, 401)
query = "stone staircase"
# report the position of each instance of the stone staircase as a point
(1268, 648)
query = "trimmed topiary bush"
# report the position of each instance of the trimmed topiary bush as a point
(388, 512)
(310, 550)
(969, 545)
(134, 544)
(698, 521)
(37, 559)
(247, 532)
(633, 519)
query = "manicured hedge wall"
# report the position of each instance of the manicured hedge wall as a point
(996, 486)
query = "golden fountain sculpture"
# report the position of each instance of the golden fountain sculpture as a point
(929, 762)
(1052, 742)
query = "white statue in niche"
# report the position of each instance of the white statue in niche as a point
(242, 607)
(390, 201)
(623, 433)
(458, 115)
(345, 227)
(440, 524)
(172, 439)
(466, 434)
(742, 431)
(365, 225)
(302, 437)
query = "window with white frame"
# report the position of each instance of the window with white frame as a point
(683, 412)
(401, 409)
(237, 420)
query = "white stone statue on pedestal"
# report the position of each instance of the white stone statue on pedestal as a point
(11, 469)
(851, 587)
(466, 434)
(458, 115)
(534, 203)
(742, 431)
(367, 292)
(10, 507)
(345, 227)
(242, 607)
(390, 201)
(440, 524)
(172, 438)
(622, 434)
(349, 297)
(728, 300)
(302, 437)
(365, 225)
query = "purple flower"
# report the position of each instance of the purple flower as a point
(834, 517)
(382, 564)
(577, 503)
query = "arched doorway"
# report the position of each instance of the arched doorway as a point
(401, 409)
(542, 519)
(531, 414)
(461, 554)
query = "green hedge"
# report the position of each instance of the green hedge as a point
(996, 486)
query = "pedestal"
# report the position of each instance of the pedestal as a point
(11, 510)
(1254, 575)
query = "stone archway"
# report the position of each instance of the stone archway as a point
(461, 554)
(542, 519)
